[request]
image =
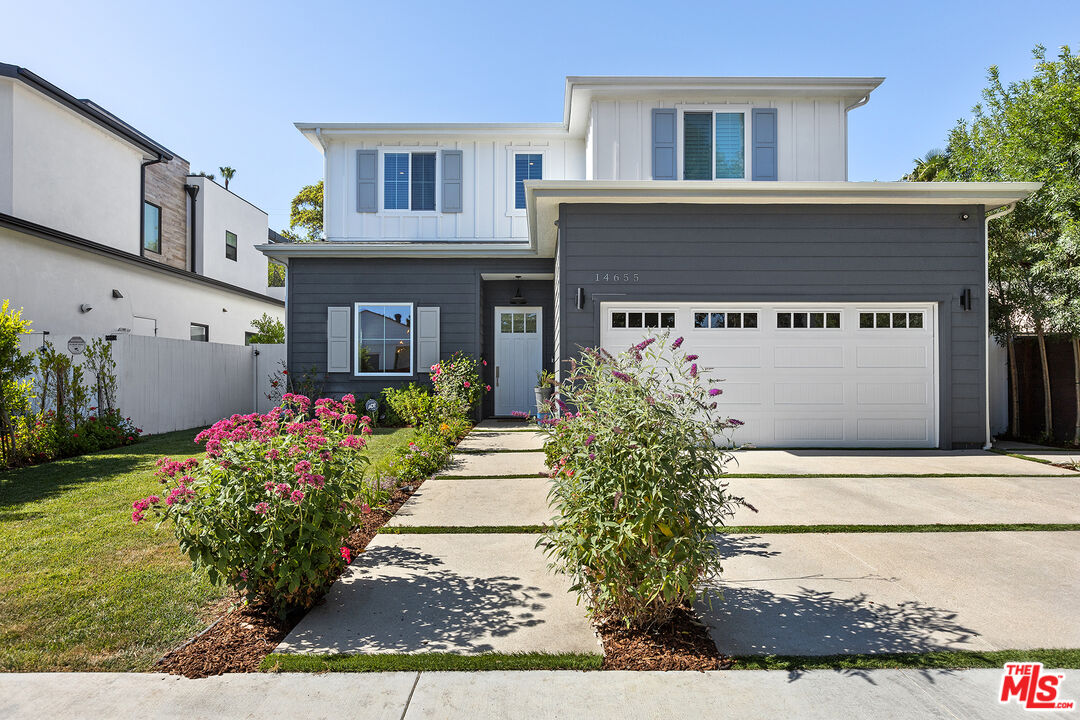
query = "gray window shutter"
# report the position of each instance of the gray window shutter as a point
(367, 181)
(452, 161)
(427, 338)
(663, 143)
(337, 339)
(763, 143)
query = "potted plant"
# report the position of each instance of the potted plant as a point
(545, 387)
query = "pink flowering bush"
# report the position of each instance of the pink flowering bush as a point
(269, 507)
(636, 458)
(457, 382)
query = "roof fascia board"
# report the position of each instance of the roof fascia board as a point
(46, 233)
(87, 110)
(370, 248)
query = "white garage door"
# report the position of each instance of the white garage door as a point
(820, 375)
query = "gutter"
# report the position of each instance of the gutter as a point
(999, 213)
(142, 204)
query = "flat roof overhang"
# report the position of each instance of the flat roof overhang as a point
(544, 197)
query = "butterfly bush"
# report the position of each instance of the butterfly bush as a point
(268, 508)
(457, 383)
(637, 445)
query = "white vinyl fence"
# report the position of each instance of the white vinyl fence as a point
(166, 384)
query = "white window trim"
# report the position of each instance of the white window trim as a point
(511, 151)
(735, 108)
(382, 180)
(356, 340)
(741, 311)
(808, 311)
(891, 310)
(642, 311)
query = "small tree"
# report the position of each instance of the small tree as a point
(99, 361)
(269, 331)
(16, 387)
(226, 174)
(275, 274)
(306, 215)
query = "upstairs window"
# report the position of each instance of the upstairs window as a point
(151, 227)
(714, 145)
(200, 332)
(230, 245)
(409, 181)
(527, 166)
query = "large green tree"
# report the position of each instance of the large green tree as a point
(1024, 131)
(306, 215)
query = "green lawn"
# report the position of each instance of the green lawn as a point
(81, 586)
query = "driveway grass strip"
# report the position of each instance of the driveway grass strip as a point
(491, 477)
(501, 451)
(795, 476)
(942, 660)
(424, 662)
(1018, 456)
(927, 528)
(753, 529)
(462, 529)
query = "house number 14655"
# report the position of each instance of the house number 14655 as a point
(617, 277)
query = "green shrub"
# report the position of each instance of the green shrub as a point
(457, 382)
(428, 453)
(414, 405)
(16, 389)
(636, 482)
(269, 508)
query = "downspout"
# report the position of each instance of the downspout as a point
(857, 104)
(193, 192)
(142, 202)
(1000, 212)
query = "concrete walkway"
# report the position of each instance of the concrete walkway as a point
(907, 501)
(886, 462)
(807, 594)
(498, 463)
(811, 695)
(460, 593)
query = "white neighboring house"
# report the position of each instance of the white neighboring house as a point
(104, 231)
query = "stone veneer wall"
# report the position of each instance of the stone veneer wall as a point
(165, 187)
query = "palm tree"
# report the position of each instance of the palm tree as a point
(227, 174)
(929, 167)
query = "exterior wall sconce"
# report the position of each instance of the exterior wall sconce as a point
(581, 298)
(518, 298)
(965, 298)
(117, 294)
(964, 216)
(85, 308)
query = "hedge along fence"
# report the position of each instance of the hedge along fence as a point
(1059, 356)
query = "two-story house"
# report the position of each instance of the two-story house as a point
(838, 314)
(104, 231)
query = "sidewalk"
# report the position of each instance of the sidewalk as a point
(744, 694)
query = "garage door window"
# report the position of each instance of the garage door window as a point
(648, 319)
(712, 320)
(808, 320)
(890, 319)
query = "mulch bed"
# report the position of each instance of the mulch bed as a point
(681, 644)
(240, 639)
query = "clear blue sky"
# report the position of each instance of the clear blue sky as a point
(221, 82)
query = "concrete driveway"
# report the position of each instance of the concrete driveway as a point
(817, 594)
(887, 462)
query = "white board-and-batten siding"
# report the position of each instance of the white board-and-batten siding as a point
(812, 136)
(488, 211)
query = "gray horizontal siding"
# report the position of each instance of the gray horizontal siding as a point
(790, 253)
(454, 285)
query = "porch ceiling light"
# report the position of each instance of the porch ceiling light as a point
(518, 298)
